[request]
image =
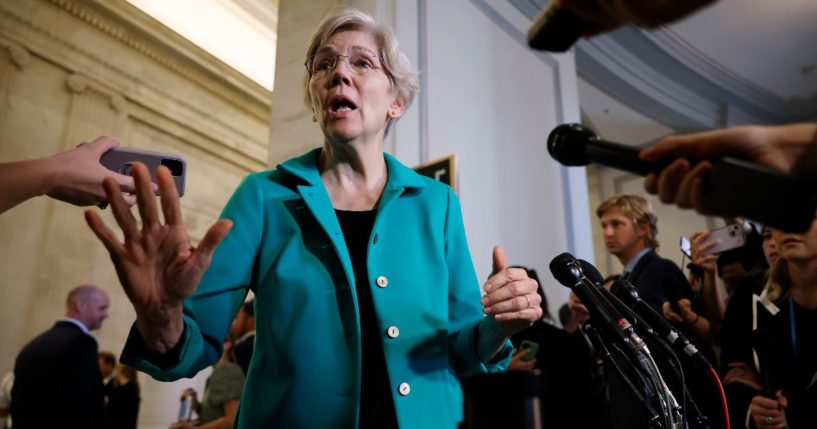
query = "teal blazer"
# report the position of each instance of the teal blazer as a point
(287, 247)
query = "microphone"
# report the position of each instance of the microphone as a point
(733, 187)
(555, 29)
(626, 292)
(567, 271)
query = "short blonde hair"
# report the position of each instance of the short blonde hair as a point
(638, 210)
(395, 63)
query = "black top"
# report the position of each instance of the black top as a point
(569, 388)
(798, 364)
(788, 361)
(376, 404)
(123, 405)
(736, 343)
(243, 352)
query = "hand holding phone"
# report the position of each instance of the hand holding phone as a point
(531, 347)
(120, 160)
(725, 238)
(686, 247)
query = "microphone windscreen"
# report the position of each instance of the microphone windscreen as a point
(565, 269)
(625, 291)
(591, 272)
(566, 144)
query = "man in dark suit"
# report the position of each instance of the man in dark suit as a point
(57, 377)
(243, 328)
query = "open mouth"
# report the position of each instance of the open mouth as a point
(341, 104)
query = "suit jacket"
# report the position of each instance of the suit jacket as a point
(57, 382)
(287, 246)
(658, 280)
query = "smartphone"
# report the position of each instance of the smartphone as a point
(529, 345)
(726, 238)
(120, 160)
(686, 248)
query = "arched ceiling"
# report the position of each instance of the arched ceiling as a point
(736, 62)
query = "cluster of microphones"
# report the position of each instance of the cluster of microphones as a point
(621, 320)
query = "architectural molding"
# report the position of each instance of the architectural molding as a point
(19, 56)
(657, 74)
(233, 116)
(129, 25)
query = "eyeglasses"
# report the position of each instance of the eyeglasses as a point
(359, 63)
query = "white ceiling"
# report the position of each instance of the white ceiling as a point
(735, 62)
(772, 44)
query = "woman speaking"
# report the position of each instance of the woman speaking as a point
(367, 303)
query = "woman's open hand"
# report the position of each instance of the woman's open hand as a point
(157, 265)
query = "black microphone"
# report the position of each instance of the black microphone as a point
(593, 274)
(567, 271)
(626, 292)
(733, 187)
(555, 29)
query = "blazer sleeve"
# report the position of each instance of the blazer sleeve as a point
(223, 288)
(464, 305)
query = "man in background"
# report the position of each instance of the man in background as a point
(630, 230)
(57, 380)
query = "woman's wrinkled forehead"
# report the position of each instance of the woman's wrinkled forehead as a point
(358, 39)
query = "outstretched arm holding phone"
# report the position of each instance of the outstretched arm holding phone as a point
(74, 176)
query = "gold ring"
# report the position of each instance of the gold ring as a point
(528, 298)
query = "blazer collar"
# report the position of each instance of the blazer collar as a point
(305, 167)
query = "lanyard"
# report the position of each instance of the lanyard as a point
(793, 330)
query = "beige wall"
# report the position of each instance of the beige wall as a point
(71, 70)
(293, 131)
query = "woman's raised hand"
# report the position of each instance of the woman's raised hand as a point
(157, 265)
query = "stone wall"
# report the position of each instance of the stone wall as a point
(71, 70)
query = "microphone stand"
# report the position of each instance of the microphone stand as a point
(652, 337)
(598, 343)
(635, 348)
(670, 408)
